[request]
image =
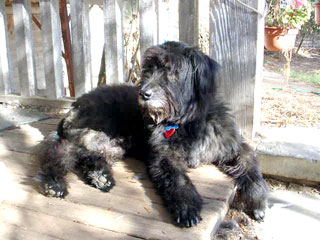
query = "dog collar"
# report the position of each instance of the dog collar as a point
(170, 131)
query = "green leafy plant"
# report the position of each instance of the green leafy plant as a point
(288, 13)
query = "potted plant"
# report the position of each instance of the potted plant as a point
(283, 21)
(317, 12)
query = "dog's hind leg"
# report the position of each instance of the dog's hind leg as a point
(252, 188)
(96, 156)
(95, 170)
(57, 156)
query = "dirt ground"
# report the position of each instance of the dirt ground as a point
(292, 103)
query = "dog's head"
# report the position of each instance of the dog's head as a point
(177, 83)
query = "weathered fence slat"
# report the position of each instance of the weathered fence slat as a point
(148, 24)
(168, 20)
(233, 43)
(189, 22)
(25, 50)
(51, 35)
(81, 50)
(113, 37)
(5, 64)
(259, 69)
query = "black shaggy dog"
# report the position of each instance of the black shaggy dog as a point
(173, 120)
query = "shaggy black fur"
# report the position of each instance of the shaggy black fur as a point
(111, 122)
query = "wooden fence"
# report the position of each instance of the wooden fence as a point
(235, 32)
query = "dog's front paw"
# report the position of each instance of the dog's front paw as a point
(101, 180)
(256, 209)
(258, 214)
(187, 215)
(186, 208)
(54, 189)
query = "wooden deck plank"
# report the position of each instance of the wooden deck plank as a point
(11, 232)
(52, 226)
(104, 218)
(18, 143)
(25, 137)
(132, 207)
(41, 126)
(50, 121)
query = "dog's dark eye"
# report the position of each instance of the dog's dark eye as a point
(149, 70)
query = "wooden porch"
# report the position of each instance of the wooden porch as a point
(131, 210)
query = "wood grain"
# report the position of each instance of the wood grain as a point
(5, 59)
(25, 49)
(233, 44)
(81, 47)
(131, 210)
(51, 35)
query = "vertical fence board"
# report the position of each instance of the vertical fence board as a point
(25, 50)
(131, 46)
(113, 35)
(5, 63)
(148, 24)
(233, 39)
(168, 20)
(51, 35)
(189, 22)
(259, 68)
(81, 53)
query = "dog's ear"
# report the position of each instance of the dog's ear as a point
(204, 75)
(151, 57)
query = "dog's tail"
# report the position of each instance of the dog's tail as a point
(60, 128)
(56, 156)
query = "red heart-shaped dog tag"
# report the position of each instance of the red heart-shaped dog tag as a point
(169, 133)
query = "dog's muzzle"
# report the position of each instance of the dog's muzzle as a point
(146, 94)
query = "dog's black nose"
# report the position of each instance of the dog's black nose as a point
(146, 94)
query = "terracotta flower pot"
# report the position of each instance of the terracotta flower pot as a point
(317, 12)
(278, 39)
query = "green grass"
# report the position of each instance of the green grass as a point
(313, 78)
